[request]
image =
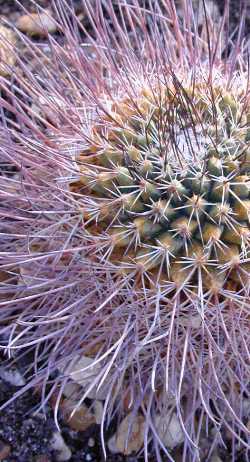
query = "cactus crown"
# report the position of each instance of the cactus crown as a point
(169, 190)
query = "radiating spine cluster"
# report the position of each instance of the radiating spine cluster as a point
(169, 189)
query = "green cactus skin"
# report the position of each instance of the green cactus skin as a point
(162, 207)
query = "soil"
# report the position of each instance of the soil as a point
(24, 434)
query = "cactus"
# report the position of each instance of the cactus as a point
(126, 232)
(161, 197)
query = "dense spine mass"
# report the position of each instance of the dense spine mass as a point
(169, 187)
(125, 230)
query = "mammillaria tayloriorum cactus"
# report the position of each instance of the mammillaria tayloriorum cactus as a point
(130, 237)
(168, 206)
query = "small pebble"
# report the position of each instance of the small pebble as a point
(121, 442)
(98, 411)
(81, 419)
(91, 442)
(83, 374)
(12, 376)
(246, 407)
(58, 444)
(37, 24)
(169, 429)
(7, 55)
(215, 458)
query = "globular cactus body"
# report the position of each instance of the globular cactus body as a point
(161, 203)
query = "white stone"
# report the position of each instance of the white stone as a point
(246, 407)
(37, 24)
(121, 442)
(215, 458)
(71, 390)
(12, 376)
(85, 377)
(7, 54)
(58, 444)
(91, 442)
(98, 411)
(169, 429)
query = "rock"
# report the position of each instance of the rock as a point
(12, 376)
(88, 457)
(91, 442)
(246, 407)
(5, 450)
(98, 411)
(63, 453)
(124, 443)
(215, 458)
(72, 390)
(37, 24)
(81, 419)
(83, 374)
(7, 54)
(169, 429)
